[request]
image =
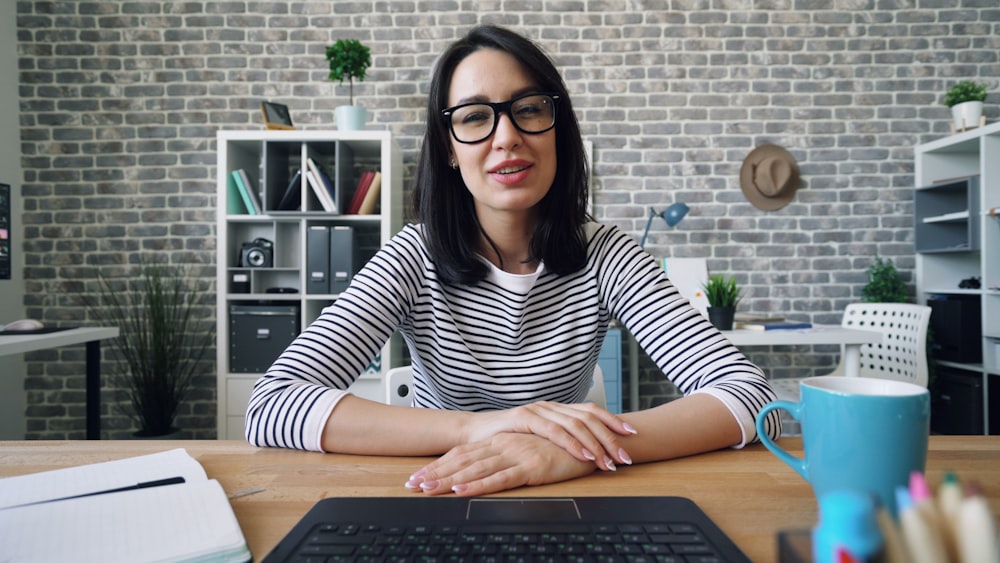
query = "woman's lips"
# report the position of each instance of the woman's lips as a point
(511, 173)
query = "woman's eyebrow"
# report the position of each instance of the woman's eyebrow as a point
(476, 98)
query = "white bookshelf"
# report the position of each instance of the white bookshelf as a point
(270, 159)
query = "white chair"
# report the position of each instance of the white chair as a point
(398, 387)
(901, 355)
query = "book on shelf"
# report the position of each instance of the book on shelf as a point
(359, 192)
(234, 199)
(321, 194)
(292, 198)
(160, 507)
(324, 181)
(774, 325)
(247, 192)
(371, 198)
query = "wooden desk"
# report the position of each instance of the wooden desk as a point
(749, 493)
(92, 336)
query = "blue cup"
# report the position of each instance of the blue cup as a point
(858, 433)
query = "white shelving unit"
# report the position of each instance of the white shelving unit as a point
(270, 159)
(957, 237)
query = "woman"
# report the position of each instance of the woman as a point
(503, 294)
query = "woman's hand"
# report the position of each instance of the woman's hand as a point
(587, 432)
(501, 462)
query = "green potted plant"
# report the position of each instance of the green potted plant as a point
(349, 60)
(723, 294)
(966, 99)
(161, 345)
(885, 285)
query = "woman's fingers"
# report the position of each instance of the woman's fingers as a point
(583, 430)
(504, 462)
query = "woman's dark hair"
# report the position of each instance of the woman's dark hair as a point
(444, 205)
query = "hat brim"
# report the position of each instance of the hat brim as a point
(753, 195)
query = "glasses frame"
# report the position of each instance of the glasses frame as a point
(502, 107)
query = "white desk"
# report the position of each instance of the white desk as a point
(850, 338)
(92, 336)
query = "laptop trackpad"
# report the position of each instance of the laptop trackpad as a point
(522, 510)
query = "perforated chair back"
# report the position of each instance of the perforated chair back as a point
(902, 353)
(398, 387)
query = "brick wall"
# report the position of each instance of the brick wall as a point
(120, 102)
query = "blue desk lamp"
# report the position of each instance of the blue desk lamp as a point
(672, 215)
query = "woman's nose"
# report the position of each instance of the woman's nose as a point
(506, 135)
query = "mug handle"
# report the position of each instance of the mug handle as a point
(798, 464)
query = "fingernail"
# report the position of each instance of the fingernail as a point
(610, 464)
(428, 485)
(629, 428)
(588, 455)
(623, 455)
(412, 484)
(460, 488)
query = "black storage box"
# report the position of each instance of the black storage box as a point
(956, 328)
(957, 401)
(258, 334)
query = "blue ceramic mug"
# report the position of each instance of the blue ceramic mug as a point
(858, 433)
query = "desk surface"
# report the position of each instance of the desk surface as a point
(749, 492)
(818, 334)
(20, 343)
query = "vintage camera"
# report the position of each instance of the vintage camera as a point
(258, 253)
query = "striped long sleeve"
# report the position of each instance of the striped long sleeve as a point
(506, 341)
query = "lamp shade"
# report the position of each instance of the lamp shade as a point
(671, 216)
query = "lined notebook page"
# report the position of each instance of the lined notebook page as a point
(187, 522)
(72, 481)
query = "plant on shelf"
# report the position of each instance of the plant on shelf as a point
(349, 60)
(965, 91)
(161, 344)
(966, 99)
(885, 285)
(723, 294)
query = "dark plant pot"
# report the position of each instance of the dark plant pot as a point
(722, 317)
(172, 434)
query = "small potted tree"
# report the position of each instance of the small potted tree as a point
(966, 99)
(349, 60)
(723, 294)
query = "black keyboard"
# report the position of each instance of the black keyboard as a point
(571, 543)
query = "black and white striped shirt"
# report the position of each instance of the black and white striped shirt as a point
(506, 341)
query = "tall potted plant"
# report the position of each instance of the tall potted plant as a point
(161, 343)
(723, 294)
(966, 99)
(349, 60)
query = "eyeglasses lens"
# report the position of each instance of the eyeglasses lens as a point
(530, 114)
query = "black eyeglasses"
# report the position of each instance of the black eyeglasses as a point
(477, 121)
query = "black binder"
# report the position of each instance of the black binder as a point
(341, 257)
(318, 259)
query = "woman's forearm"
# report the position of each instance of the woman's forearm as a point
(360, 426)
(689, 425)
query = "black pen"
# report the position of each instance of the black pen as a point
(143, 485)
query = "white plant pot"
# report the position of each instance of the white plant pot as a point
(966, 115)
(351, 118)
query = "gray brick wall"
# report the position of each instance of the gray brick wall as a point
(120, 102)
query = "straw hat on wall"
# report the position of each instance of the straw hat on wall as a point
(769, 177)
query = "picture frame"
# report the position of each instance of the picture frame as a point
(276, 116)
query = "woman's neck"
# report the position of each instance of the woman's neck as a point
(511, 242)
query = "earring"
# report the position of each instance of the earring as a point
(453, 164)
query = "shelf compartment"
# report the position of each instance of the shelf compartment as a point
(947, 216)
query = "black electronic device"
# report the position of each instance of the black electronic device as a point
(258, 253)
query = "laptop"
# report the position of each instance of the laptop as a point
(451, 529)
